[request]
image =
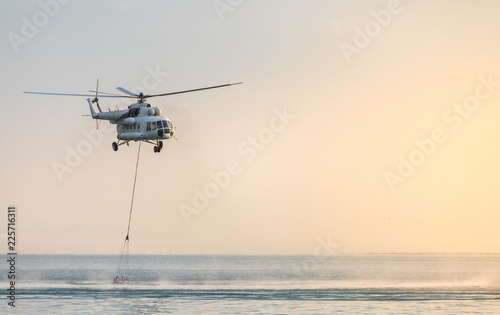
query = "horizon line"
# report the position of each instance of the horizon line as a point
(334, 254)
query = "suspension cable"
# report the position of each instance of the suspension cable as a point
(124, 259)
(133, 191)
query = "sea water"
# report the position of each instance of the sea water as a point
(207, 284)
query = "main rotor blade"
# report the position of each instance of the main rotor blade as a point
(106, 93)
(194, 90)
(86, 95)
(132, 95)
(127, 92)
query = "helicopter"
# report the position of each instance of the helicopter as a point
(141, 121)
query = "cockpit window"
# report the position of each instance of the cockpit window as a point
(159, 124)
(134, 112)
(170, 124)
(153, 126)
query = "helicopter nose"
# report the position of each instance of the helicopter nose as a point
(165, 133)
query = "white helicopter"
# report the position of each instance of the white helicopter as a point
(141, 122)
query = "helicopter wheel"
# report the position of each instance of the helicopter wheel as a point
(115, 146)
(160, 146)
(155, 149)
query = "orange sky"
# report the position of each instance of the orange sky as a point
(323, 174)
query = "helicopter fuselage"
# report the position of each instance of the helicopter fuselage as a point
(140, 122)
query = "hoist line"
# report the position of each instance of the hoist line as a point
(133, 191)
(125, 250)
(123, 270)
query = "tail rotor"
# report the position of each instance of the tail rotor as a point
(96, 100)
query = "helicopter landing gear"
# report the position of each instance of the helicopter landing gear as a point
(115, 145)
(158, 145)
(157, 148)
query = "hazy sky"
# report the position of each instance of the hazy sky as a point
(373, 125)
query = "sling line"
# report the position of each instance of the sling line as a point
(133, 190)
(124, 259)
